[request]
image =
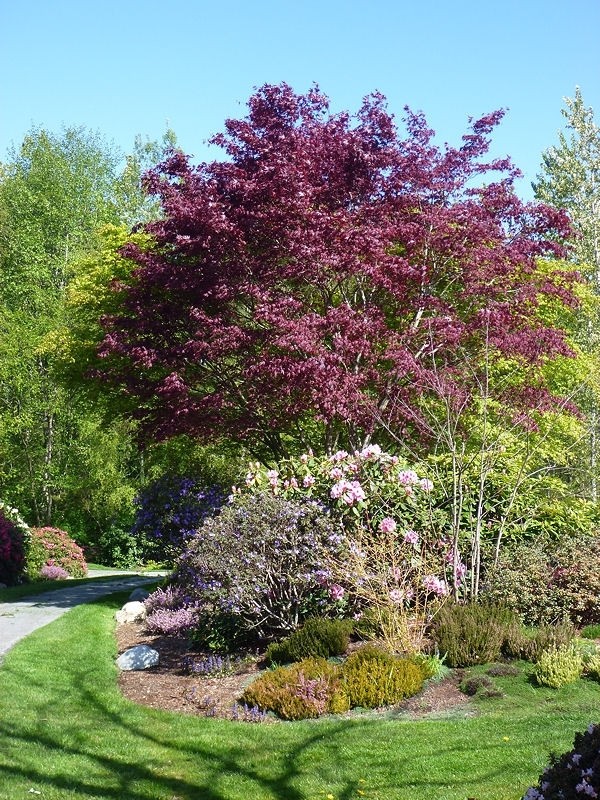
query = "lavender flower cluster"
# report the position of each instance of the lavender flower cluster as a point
(573, 776)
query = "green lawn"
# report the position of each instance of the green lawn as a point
(65, 732)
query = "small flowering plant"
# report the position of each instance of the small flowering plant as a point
(13, 547)
(397, 560)
(575, 775)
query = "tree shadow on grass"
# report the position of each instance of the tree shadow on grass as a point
(79, 738)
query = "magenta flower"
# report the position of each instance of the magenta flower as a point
(411, 537)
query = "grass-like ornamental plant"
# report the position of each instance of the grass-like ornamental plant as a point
(559, 666)
(316, 637)
(591, 631)
(53, 547)
(574, 775)
(473, 633)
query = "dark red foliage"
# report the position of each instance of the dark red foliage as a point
(330, 269)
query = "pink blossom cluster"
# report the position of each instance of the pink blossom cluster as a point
(387, 525)
(349, 491)
(435, 585)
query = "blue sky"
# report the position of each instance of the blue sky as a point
(127, 67)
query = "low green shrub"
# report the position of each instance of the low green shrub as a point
(591, 631)
(480, 685)
(317, 637)
(369, 678)
(433, 666)
(591, 666)
(573, 775)
(374, 678)
(559, 666)
(528, 643)
(473, 633)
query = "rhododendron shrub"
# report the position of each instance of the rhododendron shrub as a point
(13, 546)
(330, 276)
(261, 567)
(53, 547)
(397, 561)
(169, 511)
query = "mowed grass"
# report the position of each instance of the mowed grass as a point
(66, 732)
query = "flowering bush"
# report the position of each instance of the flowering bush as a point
(574, 775)
(261, 566)
(13, 544)
(550, 581)
(397, 561)
(54, 548)
(170, 511)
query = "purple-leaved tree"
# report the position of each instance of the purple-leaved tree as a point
(325, 277)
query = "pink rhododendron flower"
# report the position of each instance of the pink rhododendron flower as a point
(408, 477)
(349, 491)
(371, 451)
(336, 473)
(426, 485)
(339, 456)
(435, 585)
(308, 481)
(387, 525)
(396, 596)
(411, 537)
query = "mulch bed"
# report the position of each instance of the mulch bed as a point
(168, 687)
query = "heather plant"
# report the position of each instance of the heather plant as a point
(374, 678)
(55, 548)
(529, 643)
(591, 631)
(169, 512)
(559, 666)
(261, 567)
(574, 775)
(397, 563)
(53, 573)
(473, 633)
(13, 546)
(316, 637)
(303, 690)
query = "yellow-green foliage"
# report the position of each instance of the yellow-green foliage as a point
(369, 678)
(592, 666)
(559, 666)
(301, 691)
(373, 678)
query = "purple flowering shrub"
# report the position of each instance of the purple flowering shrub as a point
(53, 547)
(53, 573)
(12, 551)
(259, 568)
(170, 511)
(575, 775)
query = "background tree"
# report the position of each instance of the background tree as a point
(62, 463)
(328, 276)
(570, 180)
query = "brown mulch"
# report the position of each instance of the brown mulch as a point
(168, 686)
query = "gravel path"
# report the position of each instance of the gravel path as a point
(22, 617)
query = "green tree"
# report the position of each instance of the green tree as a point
(57, 451)
(570, 179)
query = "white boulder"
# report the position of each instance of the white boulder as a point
(131, 612)
(139, 657)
